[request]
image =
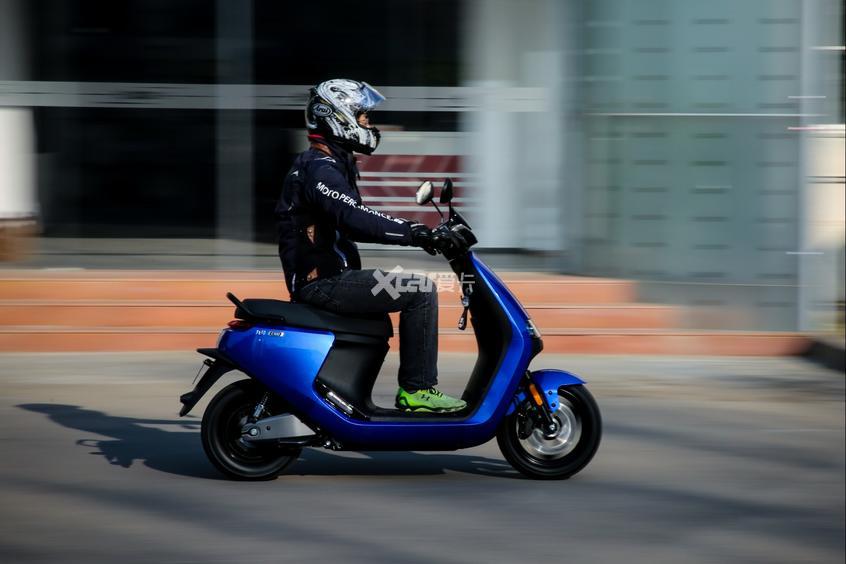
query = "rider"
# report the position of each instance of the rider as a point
(319, 216)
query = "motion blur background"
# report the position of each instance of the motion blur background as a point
(695, 147)
(651, 177)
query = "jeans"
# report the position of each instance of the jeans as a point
(414, 296)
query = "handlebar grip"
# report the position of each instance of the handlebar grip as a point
(441, 242)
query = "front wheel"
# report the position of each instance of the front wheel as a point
(562, 454)
(225, 416)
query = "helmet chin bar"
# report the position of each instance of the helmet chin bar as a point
(370, 144)
(366, 143)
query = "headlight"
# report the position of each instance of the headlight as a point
(533, 330)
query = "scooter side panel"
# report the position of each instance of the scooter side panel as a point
(285, 359)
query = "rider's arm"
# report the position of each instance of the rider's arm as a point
(331, 192)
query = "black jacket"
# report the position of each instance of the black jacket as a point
(320, 214)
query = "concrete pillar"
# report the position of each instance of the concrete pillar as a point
(234, 186)
(821, 217)
(18, 205)
(490, 65)
(517, 146)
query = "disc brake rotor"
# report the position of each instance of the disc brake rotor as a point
(563, 441)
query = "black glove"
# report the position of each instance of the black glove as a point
(421, 236)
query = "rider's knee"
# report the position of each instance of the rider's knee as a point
(426, 293)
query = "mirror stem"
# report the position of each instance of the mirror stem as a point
(439, 209)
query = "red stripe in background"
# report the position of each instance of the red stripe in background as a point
(409, 163)
(429, 219)
(394, 190)
(406, 164)
(377, 199)
(410, 166)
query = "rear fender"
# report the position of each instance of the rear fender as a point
(217, 368)
(548, 381)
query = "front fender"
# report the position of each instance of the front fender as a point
(547, 381)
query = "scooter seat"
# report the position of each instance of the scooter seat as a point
(310, 317)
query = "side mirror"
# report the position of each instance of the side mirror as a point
(425, 193)
(446, 191)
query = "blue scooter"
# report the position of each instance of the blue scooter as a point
(311, 376)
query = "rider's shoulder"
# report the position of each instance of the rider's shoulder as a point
(317, 159)
(322, 167)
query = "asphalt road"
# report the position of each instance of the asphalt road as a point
(703, 460)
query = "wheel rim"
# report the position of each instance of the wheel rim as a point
(563, 441)
(236, 448)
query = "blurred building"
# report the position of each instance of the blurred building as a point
(697, 146)
(714, 153)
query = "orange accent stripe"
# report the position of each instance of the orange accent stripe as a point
(535, 394)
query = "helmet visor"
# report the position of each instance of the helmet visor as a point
(370, 98)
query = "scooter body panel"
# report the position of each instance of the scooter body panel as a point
(289, 364)
(285, 359)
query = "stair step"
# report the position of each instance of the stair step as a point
(105, 314)
(138, 289)
(85, 310)
(634, 316)
(185, 286)
(573, 341)
(142, 313)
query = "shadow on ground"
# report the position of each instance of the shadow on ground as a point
(180, 451)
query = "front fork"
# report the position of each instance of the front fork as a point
(535, 413)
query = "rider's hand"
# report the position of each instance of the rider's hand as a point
(421, 236)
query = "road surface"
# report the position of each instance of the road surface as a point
(703, 460)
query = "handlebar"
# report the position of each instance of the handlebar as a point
(453, 237)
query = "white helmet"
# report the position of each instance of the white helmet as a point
(333, 109)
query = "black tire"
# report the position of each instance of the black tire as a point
(568, 456)
(221, 434)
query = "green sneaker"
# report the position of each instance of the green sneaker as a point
(430, 400)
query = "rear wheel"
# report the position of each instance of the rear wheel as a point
(223, 420)
(555, 455)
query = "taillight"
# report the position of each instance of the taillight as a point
(239, 324)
